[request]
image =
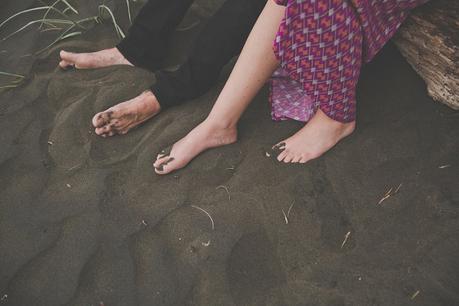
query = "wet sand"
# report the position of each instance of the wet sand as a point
(86, 221)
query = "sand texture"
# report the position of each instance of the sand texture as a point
(86, 221)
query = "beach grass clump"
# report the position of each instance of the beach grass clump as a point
(57, 17)
(17, 79)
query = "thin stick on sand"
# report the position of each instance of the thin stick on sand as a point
(226, 189)
(346, 238)
(287, 215)
(210, 217)
(415, 294)
(390, 193)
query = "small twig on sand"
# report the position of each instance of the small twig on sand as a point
(210, 217)
(286, 215)
(346, 238)
(415, 294)
(390, 193)
(226, 189)
(290, 208)
(444, 166)
(385, 197)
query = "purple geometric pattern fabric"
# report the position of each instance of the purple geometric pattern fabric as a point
(321, 45)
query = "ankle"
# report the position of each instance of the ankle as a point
(150, 99)
(220, 124)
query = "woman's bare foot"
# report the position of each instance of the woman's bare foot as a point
(122, 117)
(99, 59)
(205, 136)
(318, 136)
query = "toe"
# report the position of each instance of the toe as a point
(104, 130)
(64, 64)
(67, 56)
(101, 119)
(62, 54)
(288, 158)
(99, 131)
(165, 165)
(296, 159)
(279, 146)
(282, 155)
(159, 161)
(304, 159)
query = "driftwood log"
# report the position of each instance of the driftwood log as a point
(429, 40)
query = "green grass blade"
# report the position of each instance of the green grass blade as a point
(9, 86)
(12, 75)
(24, 12)
(63, 36)
(69, 6)
(47, 12)
(118, 29)
(129, 11)
(58, 21)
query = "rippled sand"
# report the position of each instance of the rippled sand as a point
(85, 221)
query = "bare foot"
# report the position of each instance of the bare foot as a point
(99, 59)
(122, 117)
(318, 136)
(205, 136)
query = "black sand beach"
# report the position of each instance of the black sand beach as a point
(86, 221)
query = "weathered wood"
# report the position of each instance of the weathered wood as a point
(429, 39)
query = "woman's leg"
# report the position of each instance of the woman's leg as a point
(254, 67)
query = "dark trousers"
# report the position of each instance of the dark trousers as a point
(222, 38)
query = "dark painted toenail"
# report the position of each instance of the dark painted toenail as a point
(161, 167)
(282, 144)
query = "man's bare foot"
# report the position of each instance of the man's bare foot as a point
(205, 136)
(99, 59)
(122, 117)
(318, 136)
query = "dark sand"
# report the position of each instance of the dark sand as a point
(85, 221)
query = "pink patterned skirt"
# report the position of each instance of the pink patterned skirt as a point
(321, 46)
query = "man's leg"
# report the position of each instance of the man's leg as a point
(221, 39)
(145, 44)
(254, 67)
